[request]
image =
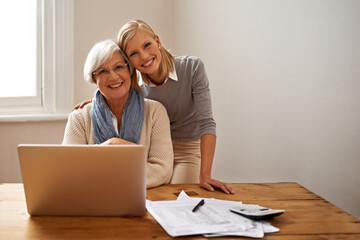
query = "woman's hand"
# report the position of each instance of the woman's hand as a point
(209, 183)
(81, 105)
(117, 141)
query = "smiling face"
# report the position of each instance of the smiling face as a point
(113, 79)
(143, 52)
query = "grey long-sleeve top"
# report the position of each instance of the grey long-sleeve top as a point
(186, 97)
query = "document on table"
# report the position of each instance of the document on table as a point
(177, 218)
(211, 220)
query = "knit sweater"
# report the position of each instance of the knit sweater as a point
(187, 99)
(155, 136)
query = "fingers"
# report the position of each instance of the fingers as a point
(117, 141)
(229, 188)
(76, 107)
(225, 187)
(207, 186)
(81, 105)
(210, 183)
(222, 187)
(85, 103)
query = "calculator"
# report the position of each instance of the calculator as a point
(256, 212)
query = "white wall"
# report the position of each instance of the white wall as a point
(284, 77)
(285, 82)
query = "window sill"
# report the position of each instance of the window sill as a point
(33, 117)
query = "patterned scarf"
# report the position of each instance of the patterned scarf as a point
(131, 122)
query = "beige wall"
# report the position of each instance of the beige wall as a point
(93, 21)
(284, 77)
(98, 20)
(12, 134)
(285, 82)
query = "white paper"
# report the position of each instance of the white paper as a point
(213, 219)
(182, 196)
(255, 231)
(268, 228)
(177, 218)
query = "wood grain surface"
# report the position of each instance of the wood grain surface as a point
(307, 215)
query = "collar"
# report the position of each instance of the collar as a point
(172, 76)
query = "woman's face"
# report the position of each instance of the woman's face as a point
(113, 78)
(143, 52)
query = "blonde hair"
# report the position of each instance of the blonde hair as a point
(99, 54)
(129, 30)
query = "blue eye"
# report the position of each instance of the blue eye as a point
(147, 44)
(132, 54)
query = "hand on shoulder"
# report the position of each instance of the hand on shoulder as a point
(82, 104)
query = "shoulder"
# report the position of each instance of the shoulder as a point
(81, 113)
(152, 104)
(154, 107)
(185, 63)
(192, 60)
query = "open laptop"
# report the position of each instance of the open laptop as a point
(84, 180)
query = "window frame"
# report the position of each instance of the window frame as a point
(55, 47)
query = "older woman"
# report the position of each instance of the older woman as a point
(119, 114)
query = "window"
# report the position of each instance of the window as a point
(36, 59)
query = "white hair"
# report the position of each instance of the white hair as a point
(99, 54)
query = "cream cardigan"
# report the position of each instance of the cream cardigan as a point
(155, 136)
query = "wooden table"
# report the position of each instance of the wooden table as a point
(307, 215)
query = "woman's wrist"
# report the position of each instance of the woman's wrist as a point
(204, 175)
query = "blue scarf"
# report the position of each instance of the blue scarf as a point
(131, 122)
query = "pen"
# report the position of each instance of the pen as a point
(198, 205)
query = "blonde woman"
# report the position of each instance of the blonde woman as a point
(181, 85)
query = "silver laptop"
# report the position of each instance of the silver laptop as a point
(84, 180)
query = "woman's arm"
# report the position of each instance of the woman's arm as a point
(207, 147)
(207, 125)
(161, 156)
